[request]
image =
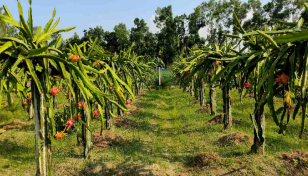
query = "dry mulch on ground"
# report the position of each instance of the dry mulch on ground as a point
(219, 119)
(132, 110)
(108, 138)
(197, 102)
(297, 162)
(206, 159)
(124, 122)
(16, 124)
(204, 109)
(235, 139)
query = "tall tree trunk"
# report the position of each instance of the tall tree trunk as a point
(227, 107)
(109, 122)
(44, 135)
(1, 91)
(50, 154)
(213, 99)
(191, 88)
(103, 115)
(120, 112)
(201, 93)
(41, 131)
(83, 132)
(88, 134)
(9, 99)
(30, 109)
(258, 119)
(37, 130)
(304, 104)
(136, 89)
(195, 89)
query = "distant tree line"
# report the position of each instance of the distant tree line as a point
(178, 34)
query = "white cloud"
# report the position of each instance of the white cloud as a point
(249, 15)
(203, 32)
(152, 25)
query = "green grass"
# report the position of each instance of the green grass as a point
(166, 78)
(167, 136)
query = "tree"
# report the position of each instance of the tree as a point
(111, 41)
(218, 17)
(150, 45)
(258, 15)
(196, 21)
(138, 33)
(122, 35)
(73, 40)
(94, 33)
(167, 38)
(3, 26)
(277, 9)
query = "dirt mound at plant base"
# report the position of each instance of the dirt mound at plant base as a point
(132, 110)
(206, 159)
(108, 138)
(204, 109)
(197, 102)
(219, 119)
(235, 139)
(297, 161)
(124, 122)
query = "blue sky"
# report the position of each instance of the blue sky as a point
(106, 13)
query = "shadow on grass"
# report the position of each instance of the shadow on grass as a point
(99, 168)
(16, 152)
(130, 150)
(138, 121)
(278, 143)
(234, 171)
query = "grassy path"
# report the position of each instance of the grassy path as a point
(161, 136)
(168, 134)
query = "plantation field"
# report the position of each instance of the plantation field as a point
(161, 135)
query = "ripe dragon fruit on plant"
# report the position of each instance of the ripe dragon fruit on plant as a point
(74, 58)
(247, 85)
(54, 91)
(24, 104)
(282, 79)
(96, 113)
(69, 123)
(60, 135)
(127, 102)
